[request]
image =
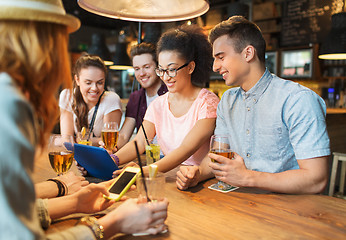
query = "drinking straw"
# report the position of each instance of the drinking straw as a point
(143, 177)
(145, 134)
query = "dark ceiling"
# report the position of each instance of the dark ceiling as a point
(93, 20)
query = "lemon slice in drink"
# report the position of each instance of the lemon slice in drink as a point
(152, 170)
(83, 132)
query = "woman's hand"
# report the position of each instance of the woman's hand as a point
(90, 199)
(73, 182)
(133, 217)
(116, 173)
(187, 176)
(81, 169)
(87, 200)
(102, 145)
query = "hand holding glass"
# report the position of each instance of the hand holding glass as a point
(61, 152)
(220, 145)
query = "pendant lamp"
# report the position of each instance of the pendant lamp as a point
(334, 47)
(121, 59)
(98, 47)
(147, 10)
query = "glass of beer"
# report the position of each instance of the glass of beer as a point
(61, 152)
(220, 145)
(110, 134)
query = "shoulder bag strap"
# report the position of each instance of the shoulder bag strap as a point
(91, 125)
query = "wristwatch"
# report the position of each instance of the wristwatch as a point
(94, 225)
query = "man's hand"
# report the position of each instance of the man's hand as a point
(187, 176)
(231, 171)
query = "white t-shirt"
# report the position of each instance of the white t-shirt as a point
(150, 99)
(110, 102)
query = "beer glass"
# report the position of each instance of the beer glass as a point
(110, 134)
(61, 152)
(220, 145)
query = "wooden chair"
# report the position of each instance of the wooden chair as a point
(336, 158)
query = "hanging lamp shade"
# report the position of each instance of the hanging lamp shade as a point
(98, 47)
(121, 59)
(334, 47)
(147, 10)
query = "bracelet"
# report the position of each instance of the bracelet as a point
(61, 187)
(65, 188)
(115, 158)
(94, 225)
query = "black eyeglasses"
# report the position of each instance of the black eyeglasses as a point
(171, 72)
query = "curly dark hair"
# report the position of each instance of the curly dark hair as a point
(80, 107)
(143, 48)
(242, 32)
(192, 44)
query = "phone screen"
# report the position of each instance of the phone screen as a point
(121, 183)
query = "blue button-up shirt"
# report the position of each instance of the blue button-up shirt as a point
(273, 124)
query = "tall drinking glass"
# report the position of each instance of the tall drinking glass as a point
(152, 152)
(155, 190)
(110, 134)
(61, 152)
(155, 186)
(220, 145)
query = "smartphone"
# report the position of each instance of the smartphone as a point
(123, 183)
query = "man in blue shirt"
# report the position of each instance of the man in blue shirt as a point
(276, 127)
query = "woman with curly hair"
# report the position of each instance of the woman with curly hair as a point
(184, 118)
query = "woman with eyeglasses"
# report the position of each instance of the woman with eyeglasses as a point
(184, 118)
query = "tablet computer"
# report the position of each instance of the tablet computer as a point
(95, 160)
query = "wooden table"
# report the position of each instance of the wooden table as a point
(201, 213)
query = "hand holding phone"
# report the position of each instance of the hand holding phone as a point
(123, 183)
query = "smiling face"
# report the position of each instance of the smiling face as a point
(230, 64)
(144, 66)
(169, 60)
(91, 81)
